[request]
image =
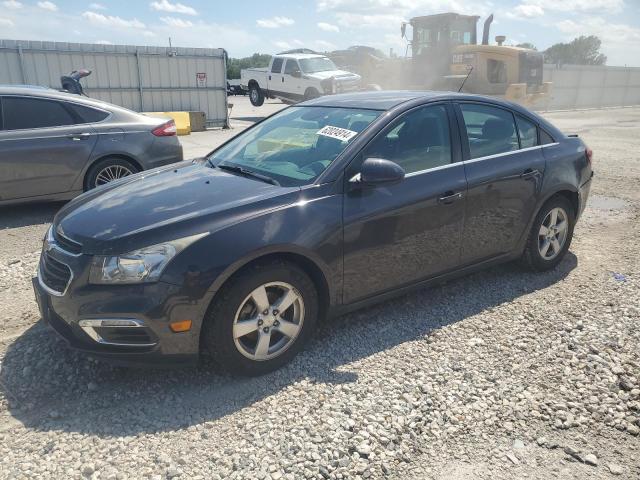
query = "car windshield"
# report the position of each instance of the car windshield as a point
(317, 64)
(296, 145)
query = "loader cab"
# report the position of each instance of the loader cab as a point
(433, 39)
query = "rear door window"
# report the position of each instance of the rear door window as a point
(87, 114)
(22, 113)
(528, 132)
(490, 130)
(276, 66)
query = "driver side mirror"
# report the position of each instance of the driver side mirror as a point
(378, 171)
(296, 74)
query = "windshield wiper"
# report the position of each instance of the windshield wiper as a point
(248, 173)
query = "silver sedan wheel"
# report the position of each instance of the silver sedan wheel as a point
(553, 233)
(268, 321)
(111, 173)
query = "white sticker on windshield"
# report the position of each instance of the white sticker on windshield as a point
(337, 132)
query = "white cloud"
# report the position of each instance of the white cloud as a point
(324, 45)
(5, 22)
(52, 7)
(167, 6)
(620, 42)
(526, 11)
(148, 33)
(275, 22)
(111, 21)
(12, 4)
(358, 20)
(608, 6)
(176, 22)
(281, 44)
(327, 27)
(103, 42)
(97, 6)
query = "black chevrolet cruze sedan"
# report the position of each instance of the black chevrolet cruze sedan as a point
(319, 209)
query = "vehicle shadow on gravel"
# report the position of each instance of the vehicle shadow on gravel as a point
(50, 387)
(25, 215)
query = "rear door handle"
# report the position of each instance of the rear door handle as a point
(450, 197)
(76, 137)
(528, 173)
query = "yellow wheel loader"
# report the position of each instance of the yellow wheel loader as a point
(445, 55)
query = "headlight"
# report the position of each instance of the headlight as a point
(143, 265)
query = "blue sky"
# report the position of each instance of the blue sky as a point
(248, 26)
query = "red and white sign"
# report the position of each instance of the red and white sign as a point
(201, 80)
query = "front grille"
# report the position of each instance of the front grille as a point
(66, 244)
(54, 274)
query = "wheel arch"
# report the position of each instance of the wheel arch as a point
(311, 267)
(567, 191)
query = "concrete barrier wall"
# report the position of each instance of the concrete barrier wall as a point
(585, 86)
(135, 77)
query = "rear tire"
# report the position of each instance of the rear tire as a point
(550, 236)
(245, 313)
(256, 96)
(107, 170)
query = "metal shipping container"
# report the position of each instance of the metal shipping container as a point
(150, 79)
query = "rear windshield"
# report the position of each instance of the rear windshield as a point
(296, 145)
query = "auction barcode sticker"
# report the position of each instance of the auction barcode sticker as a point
(337, 132)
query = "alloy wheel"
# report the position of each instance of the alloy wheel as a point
(111, 173)
(268, 321)
(553, 233)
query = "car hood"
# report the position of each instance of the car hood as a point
(337, 74)
(165, 204)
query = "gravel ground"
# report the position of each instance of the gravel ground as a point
(501, 375)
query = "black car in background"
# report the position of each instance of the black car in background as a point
(55, 145)
(320, 209)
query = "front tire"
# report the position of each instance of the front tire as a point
(261, 319)
(550, 236)
(256, 96)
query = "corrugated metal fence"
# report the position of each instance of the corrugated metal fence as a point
(151, 79)
(586, 86)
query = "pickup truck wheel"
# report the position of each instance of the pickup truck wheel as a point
(311, 93)
(256, 96)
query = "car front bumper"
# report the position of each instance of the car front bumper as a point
(127, 324)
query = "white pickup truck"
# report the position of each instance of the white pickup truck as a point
(295, 77)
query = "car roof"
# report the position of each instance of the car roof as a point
(46, 92)
(389, 99)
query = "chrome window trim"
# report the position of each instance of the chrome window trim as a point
(432, 169)
(89, 327)
(489, 157)
(510, 152)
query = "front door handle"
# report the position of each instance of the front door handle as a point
(528, 173)
(76, 137)
(450, 197)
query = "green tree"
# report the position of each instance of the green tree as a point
(257, 60)
(528, 45)
(581, 51)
